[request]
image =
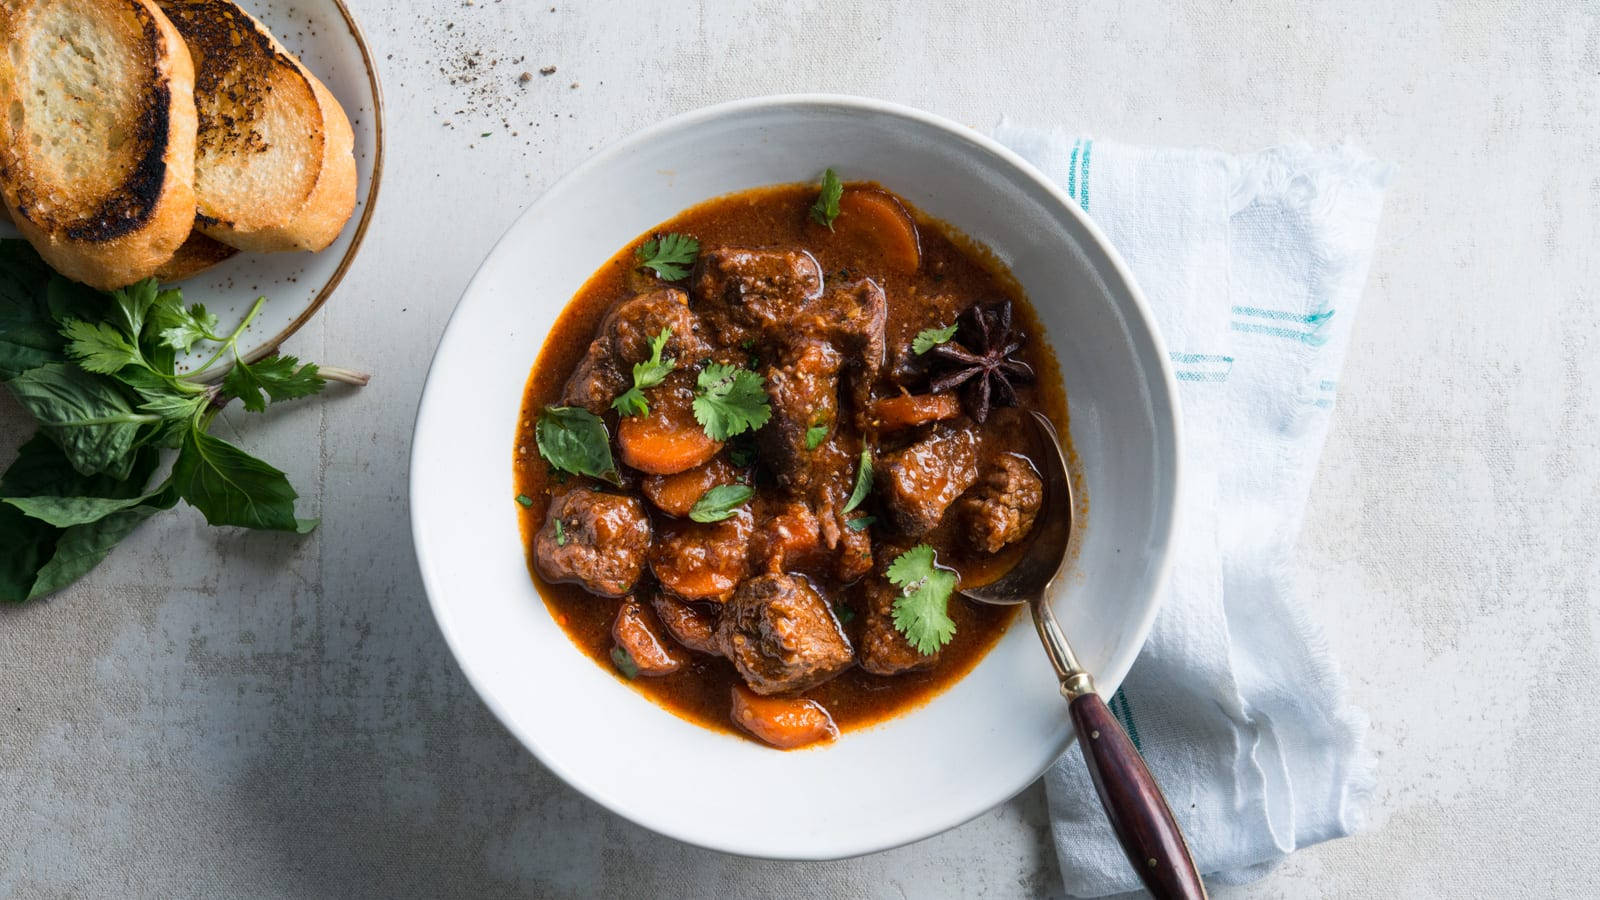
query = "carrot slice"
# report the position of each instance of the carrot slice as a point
(783, 723)
(874, 217)
(668, 439)
(892, 413)
(676, 494)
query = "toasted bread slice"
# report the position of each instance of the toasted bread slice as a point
(197, 254)
(275, 168)
(97, 135)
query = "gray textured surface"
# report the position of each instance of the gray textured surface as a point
(234, 714)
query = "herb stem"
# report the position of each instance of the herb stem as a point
(343, 375)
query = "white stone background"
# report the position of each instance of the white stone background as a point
(214, 713)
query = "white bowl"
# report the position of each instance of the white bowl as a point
(968, 749)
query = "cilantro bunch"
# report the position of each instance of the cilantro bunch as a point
(98, 373)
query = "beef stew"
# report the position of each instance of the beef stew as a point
(776, 447)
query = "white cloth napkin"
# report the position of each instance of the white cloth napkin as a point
(1254, 266)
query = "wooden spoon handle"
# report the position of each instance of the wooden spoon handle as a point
(1133, 802)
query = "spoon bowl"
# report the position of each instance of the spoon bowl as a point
(1133, 801)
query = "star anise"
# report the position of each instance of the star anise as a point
(981, 360)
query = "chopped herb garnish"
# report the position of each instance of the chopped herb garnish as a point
(646, 374)
(561, 534)
(860, 523)
(525, 500)
(721, 502)
(843, 611)
(730, 401)
(929, 338)
(826, 209)
(575, 440)
(815, 435)
(670, 256)
(624, 663)
(921, 612)
(863, 480)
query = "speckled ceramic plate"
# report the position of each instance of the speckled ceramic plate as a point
(324, 34)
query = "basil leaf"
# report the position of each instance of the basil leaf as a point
(82, 547)
(28, 336)
(721, 502)
(41, 469)
(85, 414)
(231, 487)
(66, 299)
(65, 512)
(29, 544)
(575, 440)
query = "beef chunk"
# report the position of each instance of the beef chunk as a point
(1002, 507)
(623, 339)
(792, 538)
(746, 293)
(884, 650)
(694, 625)
(601, 545)
(704, 560)
(782, 636)
(852, 318)
(919, 483)
(637, 633)
(782, 722)
(803, 389)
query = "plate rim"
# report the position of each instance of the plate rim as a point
(271, 345)
(1168, 417)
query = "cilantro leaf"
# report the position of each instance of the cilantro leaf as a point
(721, 502)
(843, 612)
(99, 347)
(646, 374)
(826, 209)
(921, 612)
(863, 480)
(281, 377)
(183, 327)
(670, 256)
(730, 401)
(929, 338)
(624, 663)
(572, 439)
(742, 452)
(815, 435)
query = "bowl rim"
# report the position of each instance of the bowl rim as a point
(1164, 401)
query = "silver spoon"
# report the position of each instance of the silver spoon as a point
(1132, 800)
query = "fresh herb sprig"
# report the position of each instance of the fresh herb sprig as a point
(921, 612)
(929, 338)
(863, 485)
(721, 502)
(574, 440)
(670, 256)
(646, 374)
(826, 209)
(98, 372)
(730, 401)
